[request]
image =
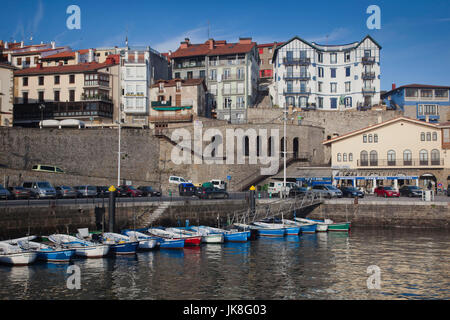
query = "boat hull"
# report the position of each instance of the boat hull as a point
(148, 244)
(19, 259)
(237, 236)
(271, 232)
(56, 255)
(172, 244)
(322, 228)
(213, 238)
(292, 231)
(92, 251)
(341, 227)
(127, 248)
(309, 228)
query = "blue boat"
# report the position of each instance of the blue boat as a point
(48, 253)
(308, 228)
(171, 243)
(229, 235)
(120, 244)
(270, 232)
(292, 230)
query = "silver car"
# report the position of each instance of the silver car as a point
(4, 193)
(86, 191)
(66, 192)
(327, 191)
(40, 189)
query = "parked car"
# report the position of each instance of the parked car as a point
(103, 192)
(176, 180)
(86, 191)
(19, 193)
(4, 193)
(148, 191)
(211, 193)
(47, 168)
(327, 191)
(187, 189)
(297, 191)
(386, 192)
(219, 184)
(276, 187)
(66, 192)
(411, 191)
(129, 191)
(352, 192)
(40, 189)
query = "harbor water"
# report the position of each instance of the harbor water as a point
(413, 264)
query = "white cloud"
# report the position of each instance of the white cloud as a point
(335, 34)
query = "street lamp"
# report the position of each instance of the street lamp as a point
(118, 154)
(41, 107)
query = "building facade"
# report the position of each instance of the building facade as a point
(266, 51)
(420, 101)
(395, 152)
(230, 71)
(177, 100)
(327, 77)
(6, 94)
(84, 92)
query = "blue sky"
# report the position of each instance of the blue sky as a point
(414, 34)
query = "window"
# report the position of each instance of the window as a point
(348, 102)
(25, 97)
(347, 56)
(423, 157)
(333, 87)
(41, 81)
(56, 96)
(19, 61)
(71, 95)
(375, 138)
(25, 81)
(435, 157)
(370, 138)
(446, 133)
(428, 136)
(426, 93)
(339, 157)
(319, 86)
(350, 157)
(367, 53)
(213, 75)
(407, 157)
(333, 103)
(373, 158)
(202, 74)
(422, 136)
(391, 158)
(348, 86)
(177, 75)
(320, 57)
(320, 72)
(411, 93)
(41, 96)
(178, 85)
(428, 109)
(434, 136)
(56, 79)
(441, 93)
(344, 158)
(364, 156)
(333, 58)
(72, 78)
(333, 72)
(320, 102)
(189, 74)
(365, 138)
(347, 72)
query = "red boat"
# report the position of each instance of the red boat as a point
(189, 241)
(192, 241)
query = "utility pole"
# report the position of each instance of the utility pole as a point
(284, 150)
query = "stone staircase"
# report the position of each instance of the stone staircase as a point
(147, 219)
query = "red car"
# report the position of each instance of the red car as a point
(129, 191)
(386, 192)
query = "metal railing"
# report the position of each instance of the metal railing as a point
(368, 60)
(297, 75)
(297, 61)
(297, 91)
(399, 162)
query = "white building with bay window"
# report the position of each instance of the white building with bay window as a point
(327, 77)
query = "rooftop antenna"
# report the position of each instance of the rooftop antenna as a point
(126, 39)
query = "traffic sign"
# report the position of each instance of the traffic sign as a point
(112, 189)
(252, 188)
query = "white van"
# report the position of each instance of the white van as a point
(276, 187)
(220, 184)
(176, 180)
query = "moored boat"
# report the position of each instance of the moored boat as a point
(83, 248)
(322, 225)
(120, 244)
(229, 235)
(14, 255)
(48, 253)
(146, 242)
(340, 226)
(268, 229)
(188, 240)
(207, 235)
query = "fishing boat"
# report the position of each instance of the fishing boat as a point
(188, 240)
(246, 228)
(146, 242)
(307, 227)
(120, 244)
(14, 255)
(322, 225)
(207, 236)
(289, 229)
(268, 229)
(47, 252)
(83, 248)
(171, 244)
(229, 235)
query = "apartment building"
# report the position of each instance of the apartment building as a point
(420, 101)
(6, 94)
(327, 77)
(177, 100)
(69, 58)
(266, 51)
(84, 91)
(395, 152)
(230, 70)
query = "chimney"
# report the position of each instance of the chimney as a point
(211, 44)
(53, 44)
(21, 44)
(187, 40)
(136, 56)
(245, 40)
(393, 86)
(91, 55)
(77, 57)
(184, 45)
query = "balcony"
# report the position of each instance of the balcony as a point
(368, 60)
(169, 119)
(232, 91)
(297, 61)
(233, 77)
(396, 163)
(96, 83)
(188, 65)
(297, 76)
(97, 97)
(368, 91)
(291, 91)
(234, 62)
(368, 75)
(27, 113)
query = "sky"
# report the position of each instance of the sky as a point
(414, 35)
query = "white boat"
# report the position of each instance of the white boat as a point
(322, 226)
(209, 236)
(14, 255)
(145, 241)
(82, 248)
(269, 225)
(229, 235)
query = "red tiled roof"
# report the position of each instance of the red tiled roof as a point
(65, 54)
(26, 53)
(264, 45)
(77, 68)
(221, 47)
